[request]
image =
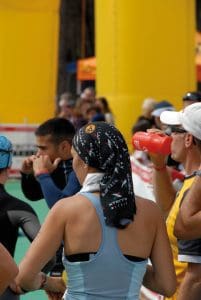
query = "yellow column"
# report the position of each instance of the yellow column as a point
(144, 49)
(28, 59)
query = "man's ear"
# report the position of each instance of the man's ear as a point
(65, 146)
(189, 140)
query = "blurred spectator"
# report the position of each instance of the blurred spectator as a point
(80, 111)
(102, 102)
(94, 114)
(191, 97)
(158, 109)
(88, 94)
(146, 117)
(142, 124)
(66, 107)
(62, 104)
(147, 107)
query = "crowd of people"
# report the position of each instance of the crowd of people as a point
(86, 108)
(102, 230)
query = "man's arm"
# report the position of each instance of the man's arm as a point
(41, 250)
(190, 287)
(188, 222)
(23, 216)
(160, 276)
(52, 193)
(164, 190)
(8, 269)
(31, 187)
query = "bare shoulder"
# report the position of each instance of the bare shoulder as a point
(69, 205)
(66, 202)
(148, 208)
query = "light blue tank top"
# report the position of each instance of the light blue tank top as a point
(108, 274)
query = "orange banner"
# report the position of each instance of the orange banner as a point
(86, 69)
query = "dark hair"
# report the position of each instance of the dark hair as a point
(93, 108)
(105, 103)
(142, 124)
(59, 129)
(192, 96)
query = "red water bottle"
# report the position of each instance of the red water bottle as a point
(152, 142)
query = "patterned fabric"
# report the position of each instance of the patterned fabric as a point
(5, 152)
(101, 146)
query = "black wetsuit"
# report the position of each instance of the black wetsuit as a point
(15, 214)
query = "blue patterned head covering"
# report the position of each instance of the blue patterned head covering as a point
(101, 146)
(5, 152)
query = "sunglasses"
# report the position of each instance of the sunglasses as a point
(172, 129)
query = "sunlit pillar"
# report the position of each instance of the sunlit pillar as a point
(28, 59)
(143, 48)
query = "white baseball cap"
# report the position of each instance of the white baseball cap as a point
(189, 119)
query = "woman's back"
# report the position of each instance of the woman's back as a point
(83, 230)
(101, 261)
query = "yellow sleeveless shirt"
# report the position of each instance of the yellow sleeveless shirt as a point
(180, 267)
